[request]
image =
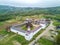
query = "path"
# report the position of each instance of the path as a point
(16, 43)
(6, 39)
(10, 38)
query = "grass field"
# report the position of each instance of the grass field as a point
(8, 37)
(25, 28)
(44, 41)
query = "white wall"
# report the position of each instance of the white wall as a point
(20, 33)
(29, 36)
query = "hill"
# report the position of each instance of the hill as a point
(9, 12)
(8, 9)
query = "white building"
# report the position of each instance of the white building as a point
(27, 34)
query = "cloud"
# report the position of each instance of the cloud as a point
(31, 3)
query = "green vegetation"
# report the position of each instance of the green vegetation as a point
(56, 23)
(7, 13)
(58, 38)
(14, 15)
(55, 18)
(25, 28)
(1, 23)
(8, 37)
(3, 32)
(44, 41)
(20, 39)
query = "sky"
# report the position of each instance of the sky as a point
(31, 3)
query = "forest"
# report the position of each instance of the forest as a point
(9, 12)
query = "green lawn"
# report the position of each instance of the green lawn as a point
(44, 41)
(3, 31)
(20, 39)
(56, 23)
(24, 28)
(6, 35)
(8, 40)
(1, 23)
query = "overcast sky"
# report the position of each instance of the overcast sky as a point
(31, 3)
